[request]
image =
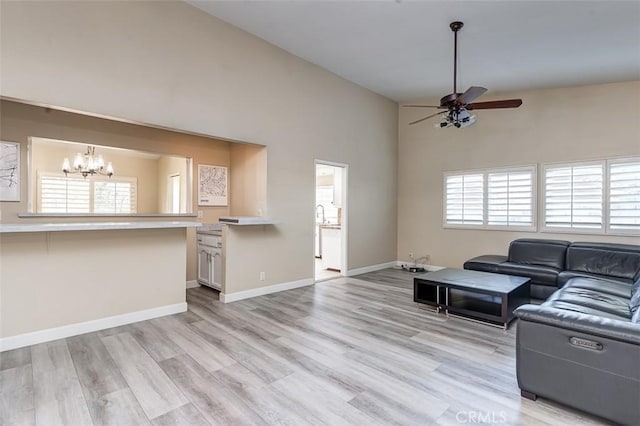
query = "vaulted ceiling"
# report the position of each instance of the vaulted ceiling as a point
(404, 49)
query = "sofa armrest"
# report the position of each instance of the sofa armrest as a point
(590, 324)
(485, 263)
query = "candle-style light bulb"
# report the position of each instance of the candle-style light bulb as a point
(66, 167)
(109, 170)
(78, 161)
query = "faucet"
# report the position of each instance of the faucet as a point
(320, 206)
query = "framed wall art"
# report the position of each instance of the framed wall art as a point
(9, 171)
(213, 185)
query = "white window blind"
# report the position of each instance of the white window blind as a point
(464, 199)
(114, 197)
(624, 196)
(59, 194)
(574, 196)
(510, 199)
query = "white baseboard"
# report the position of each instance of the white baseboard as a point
(429, 268)
(41, 336)
(193, 284)
(275, 288)
(371, 268)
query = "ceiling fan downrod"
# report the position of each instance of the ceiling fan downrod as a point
(455, 27)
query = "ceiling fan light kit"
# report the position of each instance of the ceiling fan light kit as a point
(457, 105)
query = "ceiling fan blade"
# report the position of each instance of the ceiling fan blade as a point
(471, 93)
(505, 103)
(423, 106)
(427, 117)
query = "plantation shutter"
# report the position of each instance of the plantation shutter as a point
(117, 197)
(624, 196)
(59, 194)
(510, 196)
(464, 199)
(574, 196)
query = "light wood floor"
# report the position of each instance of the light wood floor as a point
(347, 351)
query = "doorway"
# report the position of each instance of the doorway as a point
(330, 223)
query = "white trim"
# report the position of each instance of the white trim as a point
(371, 268)
(47, 335)
(193, 284)
(261, 291)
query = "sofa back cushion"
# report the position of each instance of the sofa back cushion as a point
(614, 260)
(539, 252)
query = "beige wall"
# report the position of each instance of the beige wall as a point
(248, 189)
(205, 76)
(47, 157)
(43, 276)
(572, 124)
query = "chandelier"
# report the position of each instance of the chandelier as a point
(88, 164)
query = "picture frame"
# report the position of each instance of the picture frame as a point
(213, 186)
(9, 171)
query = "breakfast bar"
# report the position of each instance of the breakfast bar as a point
(63, 279)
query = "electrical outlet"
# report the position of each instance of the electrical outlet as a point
(200, 214)
(263, 276)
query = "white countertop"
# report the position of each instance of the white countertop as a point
(93, 226)
(247, 220)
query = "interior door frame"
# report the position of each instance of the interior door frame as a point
(345, 216)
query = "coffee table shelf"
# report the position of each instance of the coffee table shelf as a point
(480, 296)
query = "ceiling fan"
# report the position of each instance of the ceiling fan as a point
(457, 105)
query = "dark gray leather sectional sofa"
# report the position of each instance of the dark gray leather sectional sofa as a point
(581, 346)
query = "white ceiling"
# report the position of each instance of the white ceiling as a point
(404, 50)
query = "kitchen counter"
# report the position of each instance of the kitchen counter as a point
(330, 226)
(92, 226)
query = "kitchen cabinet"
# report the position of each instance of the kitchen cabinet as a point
(210, 267)
(210, 260)
(331, 238)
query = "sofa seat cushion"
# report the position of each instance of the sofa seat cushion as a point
(486, 263)
(565, 276)
(587, 301)
(566, 306)
(545, 275)
(613, 287)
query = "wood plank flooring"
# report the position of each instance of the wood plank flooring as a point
(346, 351)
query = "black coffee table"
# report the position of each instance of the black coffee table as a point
(482, 296)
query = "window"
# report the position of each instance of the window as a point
(573, 196)
(464, 204)
(624, 195)
(599, 197)
(60, 194)
(510, 198)
(324, 198)
(507, 203)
